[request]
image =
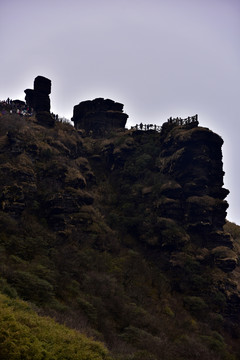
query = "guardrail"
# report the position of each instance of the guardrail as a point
(177, 121)
(144, 127)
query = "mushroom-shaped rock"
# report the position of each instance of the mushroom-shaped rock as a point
(99, 115)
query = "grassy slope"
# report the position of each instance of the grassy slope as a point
(25, 335)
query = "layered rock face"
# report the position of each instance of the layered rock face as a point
(194, 158)
(176, 178)
(99, 115)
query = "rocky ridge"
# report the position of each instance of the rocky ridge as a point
(95, 208)
(191, 197)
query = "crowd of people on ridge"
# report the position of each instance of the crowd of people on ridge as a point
(20, 107)
(180, 121)
(145, 127)
(15, 107)
(177, 121)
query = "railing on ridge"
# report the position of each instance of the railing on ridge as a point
(177, 121)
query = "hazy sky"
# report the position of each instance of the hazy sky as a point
(160, 58)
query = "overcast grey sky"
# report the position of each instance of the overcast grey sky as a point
(160, 58)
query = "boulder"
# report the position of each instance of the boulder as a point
(99, 115)
(38, 99)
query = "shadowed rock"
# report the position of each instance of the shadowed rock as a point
(193, 158)
(99, 115)
(39, 100)
(30, 98)
(42, 85)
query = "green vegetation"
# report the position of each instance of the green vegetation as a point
(25, 335)
(94, 235)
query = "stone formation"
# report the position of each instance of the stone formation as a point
(99, 115)
(38, 99)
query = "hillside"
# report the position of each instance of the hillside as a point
(25, 335)
(121, 237)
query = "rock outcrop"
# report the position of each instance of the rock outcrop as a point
(39, 100)
(182, 198)
(99, 115)
(193, 157)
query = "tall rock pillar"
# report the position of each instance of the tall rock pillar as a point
(39, 100)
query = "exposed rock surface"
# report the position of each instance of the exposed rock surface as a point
(189, 200)
(99, 115)
(193, 158)
(178, 174)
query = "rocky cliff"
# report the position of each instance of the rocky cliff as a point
(123, 234)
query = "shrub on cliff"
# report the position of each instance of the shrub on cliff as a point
(25, 335)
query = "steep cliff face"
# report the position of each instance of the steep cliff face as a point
(124, 232)
(169, 185)
(193, 158)
(176, 178)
